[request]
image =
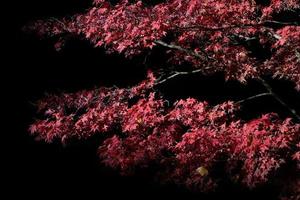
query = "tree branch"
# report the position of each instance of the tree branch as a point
(254, 97)
(176, 73)
(171, 46)
(218, 28)
(62, 24)
(264, 83)
(270, 90)
(280, 23)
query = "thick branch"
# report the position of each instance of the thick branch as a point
(270, 90)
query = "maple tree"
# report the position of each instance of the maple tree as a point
(189, 140)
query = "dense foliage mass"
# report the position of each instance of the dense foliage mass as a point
(208, 34)
(194, 143)
(190, 141)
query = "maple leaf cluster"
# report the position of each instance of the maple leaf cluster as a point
(195, 144)
(190, 141)
(213, 35)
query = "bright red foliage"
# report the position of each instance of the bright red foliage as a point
(190, 141)
(215, 35)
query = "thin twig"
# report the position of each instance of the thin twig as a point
(218, 28)
(254, 97)
(65, 28)
(270, 90)
(281, 23)
(177, 74)
(171, 46)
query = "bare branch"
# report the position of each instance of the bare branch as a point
(272, 22)
(219, 28)
(254, 97)
(175, 75)
(216, 28)
(171, 46)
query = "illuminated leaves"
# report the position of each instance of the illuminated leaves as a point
(223, 29)
(188, 140)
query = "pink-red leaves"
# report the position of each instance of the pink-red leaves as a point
(182, 139)
(220, 28)
(190, 138)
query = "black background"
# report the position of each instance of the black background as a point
(40, 170)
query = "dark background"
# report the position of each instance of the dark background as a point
(39, 170)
